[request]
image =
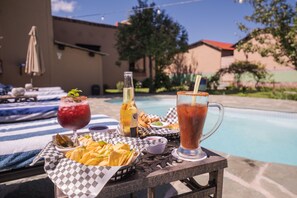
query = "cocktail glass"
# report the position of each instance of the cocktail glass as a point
(192, 111)
(74, 113)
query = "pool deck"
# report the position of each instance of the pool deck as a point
(243, 178)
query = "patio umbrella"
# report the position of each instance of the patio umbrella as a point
(34, 62)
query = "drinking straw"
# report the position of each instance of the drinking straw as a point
(196, 87)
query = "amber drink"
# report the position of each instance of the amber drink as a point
(191, 119)
(128, 112)
(192, 111)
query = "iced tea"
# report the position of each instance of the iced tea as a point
(191, 118)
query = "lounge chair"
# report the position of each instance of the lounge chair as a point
(4, 89)
(27, 111)
(46, 93)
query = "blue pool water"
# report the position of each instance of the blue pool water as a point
(261, 135)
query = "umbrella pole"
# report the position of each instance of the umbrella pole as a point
(32, 80)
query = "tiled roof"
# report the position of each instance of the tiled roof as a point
(215, 44)
(221, 45)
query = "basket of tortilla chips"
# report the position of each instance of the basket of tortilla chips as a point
(101, 153)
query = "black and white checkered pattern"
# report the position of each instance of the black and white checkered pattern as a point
(171, 118)
(78, 180)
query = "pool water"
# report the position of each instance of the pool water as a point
(260, 135)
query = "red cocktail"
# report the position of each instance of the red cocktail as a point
(74, 113)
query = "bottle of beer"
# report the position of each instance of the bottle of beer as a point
(128, 113)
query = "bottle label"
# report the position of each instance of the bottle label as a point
(133, 132)
(134, 124)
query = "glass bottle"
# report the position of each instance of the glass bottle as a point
(128, 113)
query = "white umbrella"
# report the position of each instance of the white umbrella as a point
(34, 62)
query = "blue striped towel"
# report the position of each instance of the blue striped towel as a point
(25, 111)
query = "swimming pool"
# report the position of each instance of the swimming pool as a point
(260, 135)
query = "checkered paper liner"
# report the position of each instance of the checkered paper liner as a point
(171, 118)
(78, 180)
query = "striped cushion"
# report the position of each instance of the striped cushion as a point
(25, 111)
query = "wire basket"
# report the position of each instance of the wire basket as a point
(125, 171)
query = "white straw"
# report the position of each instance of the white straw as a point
(197, 83)
(196, 87)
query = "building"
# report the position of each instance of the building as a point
(76, 54)
(205, 57)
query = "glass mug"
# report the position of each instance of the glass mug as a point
(192, 111)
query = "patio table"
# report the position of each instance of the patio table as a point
(156, 170)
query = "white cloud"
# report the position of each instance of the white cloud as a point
(61, 5)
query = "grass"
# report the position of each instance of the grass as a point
(137, 90)
(284, 94)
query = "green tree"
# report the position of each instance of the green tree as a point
(153, 34)
(277, 20)
(239, 68)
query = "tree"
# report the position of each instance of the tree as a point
(183, 73)
(153, 34)
(278, 21)
(239, 68)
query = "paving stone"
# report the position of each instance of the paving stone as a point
(275, 191)
(233, 189)
(246, 169)
(284, 175)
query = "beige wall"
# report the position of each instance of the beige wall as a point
(16, 20)
(203, 59)
(269, 63)
(76, 69)
(74, 31)
(208, 59)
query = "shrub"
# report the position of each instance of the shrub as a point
(182, 79)
(138, 84)
(162, 80)
(120, 85)
(105, 86)
(147, 83)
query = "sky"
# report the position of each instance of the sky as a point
(203, 19)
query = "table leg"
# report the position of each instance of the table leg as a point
(216, 178)
(58, 193)
(150, 192)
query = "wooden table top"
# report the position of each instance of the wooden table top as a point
(144, 178)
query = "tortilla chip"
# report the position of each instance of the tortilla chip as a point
(85, 157)
(77, 154)
(119, 146)
(115, 158)
(130, 158)
(103, 163)
(94, 161)
(102, 154)
(93, 146)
